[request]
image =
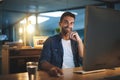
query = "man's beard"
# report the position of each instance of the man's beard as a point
(66, 30)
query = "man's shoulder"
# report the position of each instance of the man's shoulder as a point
(57, 36)
(53, 39)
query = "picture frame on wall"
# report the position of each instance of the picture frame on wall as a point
(39, 40)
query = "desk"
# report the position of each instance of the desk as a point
(68, 75)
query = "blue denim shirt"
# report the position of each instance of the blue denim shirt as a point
(53, 52)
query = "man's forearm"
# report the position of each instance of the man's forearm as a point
(51, 69)
(46, 66)
(80, 48)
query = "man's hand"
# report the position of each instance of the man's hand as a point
(74, 36)
(55, 71)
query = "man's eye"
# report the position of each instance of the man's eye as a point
(65, 21)
(72, 23)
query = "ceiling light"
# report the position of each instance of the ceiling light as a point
(55, 14)
(42, 19)
(32, 19)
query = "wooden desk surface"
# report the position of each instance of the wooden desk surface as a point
(68, 75)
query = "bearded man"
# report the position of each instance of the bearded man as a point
(63, 50)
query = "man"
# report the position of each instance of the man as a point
(64, 50)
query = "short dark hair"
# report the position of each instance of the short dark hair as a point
(67, 14)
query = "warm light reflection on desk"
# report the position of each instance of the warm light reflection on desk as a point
(68, 75)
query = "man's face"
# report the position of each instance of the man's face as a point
(67, 24)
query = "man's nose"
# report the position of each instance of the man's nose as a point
(68, 24)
